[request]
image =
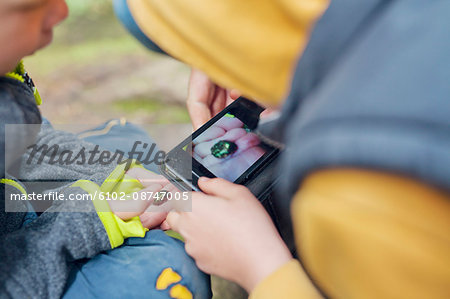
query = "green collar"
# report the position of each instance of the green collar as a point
(21, 75)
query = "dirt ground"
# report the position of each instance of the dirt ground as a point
(143, 87)
(94, 71)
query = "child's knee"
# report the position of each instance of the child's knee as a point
(157, 266)
(173, 272)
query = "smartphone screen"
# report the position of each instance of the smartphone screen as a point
(228, 148)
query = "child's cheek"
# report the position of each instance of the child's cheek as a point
(46, 39)
(34, 41)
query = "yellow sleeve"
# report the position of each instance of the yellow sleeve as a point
(117, 229)
(289, 281)
(368, 234)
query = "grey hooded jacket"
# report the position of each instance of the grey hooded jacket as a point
(35, 260)
(371, 91)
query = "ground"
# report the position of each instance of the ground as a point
(95, 71)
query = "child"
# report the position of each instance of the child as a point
(61, 252)
(366, 123)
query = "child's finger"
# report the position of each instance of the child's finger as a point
(146, 177)
(212, 133)
(221, 187)
(173, 220)
(200, 94)
(233, 95)
(127, 209)
(152, 219)
(219, 101)
(165, 225)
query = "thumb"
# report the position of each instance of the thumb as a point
(165, 225)
(172, 221)
(200, 94)
(221, 187)
(234, 94)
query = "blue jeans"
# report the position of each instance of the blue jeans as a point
(121, 135)
(131, 270)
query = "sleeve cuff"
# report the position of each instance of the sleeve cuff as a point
(288, 281)
(117, 229)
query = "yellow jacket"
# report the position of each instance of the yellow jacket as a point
(363, 234)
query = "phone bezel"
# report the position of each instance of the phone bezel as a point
(246, 111)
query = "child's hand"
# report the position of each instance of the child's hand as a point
(130, 208)
(206, 99)
(230, 234)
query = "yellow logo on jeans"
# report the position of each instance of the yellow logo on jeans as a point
(168, 277)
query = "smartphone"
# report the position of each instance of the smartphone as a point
(227, 146)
